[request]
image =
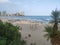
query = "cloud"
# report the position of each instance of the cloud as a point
(4, 1)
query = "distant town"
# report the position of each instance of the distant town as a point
(4, 13)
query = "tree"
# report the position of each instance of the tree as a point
(10, 35)
(55, 19)
(52, 31)
(49, 33)
(50, 36)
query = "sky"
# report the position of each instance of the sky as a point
(30, 7)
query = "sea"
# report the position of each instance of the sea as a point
(32, 18)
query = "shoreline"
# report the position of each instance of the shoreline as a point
(44, 19)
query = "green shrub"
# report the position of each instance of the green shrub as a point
(10, 35)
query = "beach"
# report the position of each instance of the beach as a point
(29, 22)
(32, 31)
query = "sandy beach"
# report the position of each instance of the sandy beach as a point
(32, 32)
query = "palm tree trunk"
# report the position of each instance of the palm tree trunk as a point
(55, 41)
(55, 28)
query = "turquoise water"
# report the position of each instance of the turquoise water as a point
(33, 18)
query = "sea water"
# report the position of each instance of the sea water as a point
(32, 18)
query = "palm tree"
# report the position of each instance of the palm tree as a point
(50, 36)
(52, 31)
(55, 19)
(49, 33)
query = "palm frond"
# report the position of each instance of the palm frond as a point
(48, 29)
(49, 33)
